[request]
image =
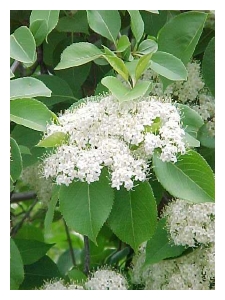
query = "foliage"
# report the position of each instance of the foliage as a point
(59, 60)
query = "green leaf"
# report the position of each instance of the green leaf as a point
(25, 136)
(205, 138)
(78, 54)
(143, 64)
(191, 141)
(181, 34)
(208, 66)
(122, 44)
(123, 93)
(28, 87)
(85, 207)
(105, 22)
(169, 66)
(24, 150)
(77, 276)
(159, 246)
(154, 22)
(153, 11)
(51, 18)
(39, 272)
(11, 74)
(16, 267)
(51, 208)
(133, 217)
(53, 140)
(15, 160)
(137, 24)
(31, 113)
(76, 23)
(190, 178)
(147, 46)
(31, 250)
(39, 29)
(190, 119)
(118, 65)
(30, 232)
(23, 46)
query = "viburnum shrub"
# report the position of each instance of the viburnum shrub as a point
(112, 150)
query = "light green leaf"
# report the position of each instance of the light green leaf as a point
(24, 150)
(51, 18)
(105, 22)
(118, 65)
(143, 64)
(208, 66)
(53, 140)
(122, 44)
(77, 276)
(206, 139)
(190, 178)
(191, 141)
(160, 247)
(15, 160)
(39, 29)
(75, 23)
(78, 54)
(169, 66)
(51, 208)
(137, 24)
(23, 46)
(31, 113)
(181, 34)
(31, 250)
(131, 66)
(134, 215)
(147, 46)
(85, 207)
(153, 11)
(28, 87)
(16, 267)
(123, 93)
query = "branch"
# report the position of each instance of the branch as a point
(43, 68)
(86, 255)
(17, 197)
(70, 244)
(14, 66)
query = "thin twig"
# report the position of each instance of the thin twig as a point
(14, 66)
(15, 229)
(70, 244)
(17, 197)
(86, 255)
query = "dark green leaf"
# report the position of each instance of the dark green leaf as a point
(15, 160)
(30, 232)
(105, 22)
(85, 207)
(76, 23)
(26, 136)
(154, 22)
(39, 29)
(23, 46)
(31, 250)
(147, 46)
(78, 54)
(53, 140)
(208, 66)
(181, 34)
(31, 113)
(28, 87)
(137, 24)
(190, 178)
(168, 66)
(16, 267)
(65, 263)
(159, 246)
(133, 217)
(77, 276)
(39, 272)
(204, 40)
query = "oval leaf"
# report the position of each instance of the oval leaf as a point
(118, 65)
(147, 46)
(16, 267)
(28, 87)
(31, 113)
(53, 140)
(143, 64)
(23, 46)
(168, 66)
(39, 29)
(85, 207)
(51, 18)
(105, 22)
(122, 44)
(134, 215)
(191, 178)
(206, 139)
(78, 54)
(137, 24)
(208, 66)
(181, 34)
(75, 23)
(15, 160)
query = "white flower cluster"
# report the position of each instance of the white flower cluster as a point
(194, 271)
(119, 136)
(60, 285)
(42, 186)
(190, 224)
(106, 280)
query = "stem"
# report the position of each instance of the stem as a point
(15, 65)
(86, 255)
(17, 197)
(70, 243)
